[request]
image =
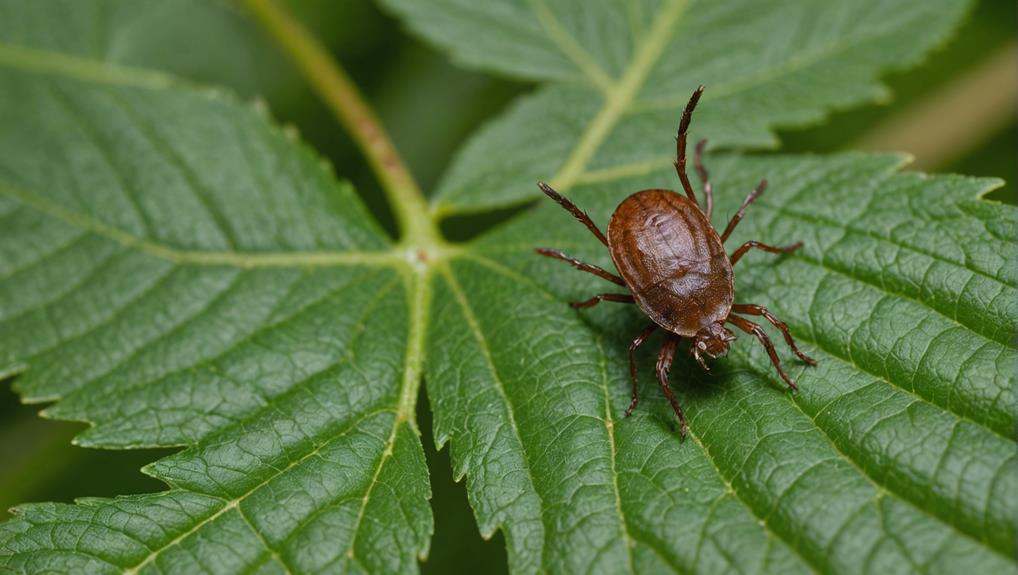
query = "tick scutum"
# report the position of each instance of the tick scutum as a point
(672, 261)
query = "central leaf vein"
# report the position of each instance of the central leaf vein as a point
(621, 96)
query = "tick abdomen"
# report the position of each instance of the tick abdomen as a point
(672, 260)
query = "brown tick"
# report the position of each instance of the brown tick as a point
(674, 264)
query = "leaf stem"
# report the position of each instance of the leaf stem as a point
(328, 79)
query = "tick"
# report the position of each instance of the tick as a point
(674, 264)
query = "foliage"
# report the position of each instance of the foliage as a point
(175, 270)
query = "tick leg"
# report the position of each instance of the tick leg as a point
(738, 215)
(752, 328)
(753, 309)
(617, 297)
(764, 247)
(589, 268)
(708, 190)
(680, 143)
(664, 365)
(632, 363)
(571, 207)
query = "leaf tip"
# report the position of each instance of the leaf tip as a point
(989, 185)
(12, 370)
(904, 159)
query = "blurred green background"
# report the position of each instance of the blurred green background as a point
(956, 113)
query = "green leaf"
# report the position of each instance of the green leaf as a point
(620, 72)
(203, 40)
(176, 271)
(179, 273)
(895, 455)
(899, 456)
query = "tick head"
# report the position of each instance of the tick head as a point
(713, 341)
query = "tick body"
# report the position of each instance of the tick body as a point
(672, 261)
(675, 266)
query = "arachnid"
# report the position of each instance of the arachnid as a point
(675, 266)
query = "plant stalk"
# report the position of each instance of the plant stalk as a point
(332, 84)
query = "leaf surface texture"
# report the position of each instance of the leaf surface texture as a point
(177, 271)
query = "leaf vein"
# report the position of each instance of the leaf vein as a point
(262, 329)
(475, 329)
(230, 504)
(387, 258)
(870, 478)
(44, 257)
(622, 95)
(159, 281)
(746, 502)
(609, 425)
(174, 159)
(570, 47)
(92, 133)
